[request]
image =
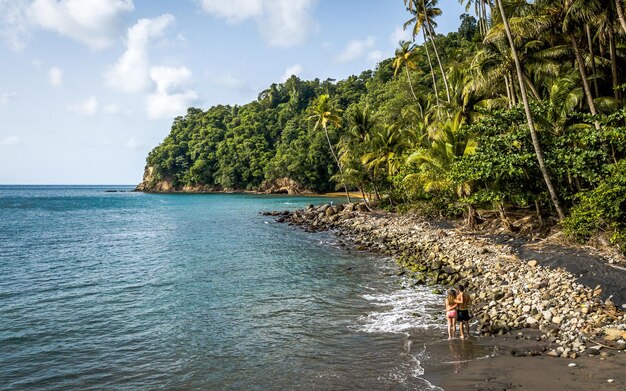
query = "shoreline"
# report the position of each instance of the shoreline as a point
(333, 194)
(522, 292)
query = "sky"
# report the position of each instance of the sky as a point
(89, 87)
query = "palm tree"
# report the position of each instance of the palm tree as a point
(446, 142)
(424, 12)
(387, 145)
(430, 67)
(480, 9)
(405, 55)
(325, 114)
(352, 145)
(529, 118)
(620, 14)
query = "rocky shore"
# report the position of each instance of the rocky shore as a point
(570, 318)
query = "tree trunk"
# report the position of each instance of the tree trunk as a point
(485, 19)
(583, 76)
(508, 91)
(430, 65)
(529, 119)
(513, 92)
(531, 86)
(538, 210)
(429, 31)
(408, 76)
(499, 207)
(471, 217)
(332, 151)
(593, 60)
(614, 76)
(620, 14)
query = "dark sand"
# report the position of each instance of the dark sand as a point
(515, 363)
(507, 363)
(588, 265)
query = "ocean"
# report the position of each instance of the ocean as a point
(105, 288)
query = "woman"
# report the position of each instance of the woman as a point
(463, 300)
(451, 312)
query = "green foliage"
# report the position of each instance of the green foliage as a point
(602, 209)
(393, 132)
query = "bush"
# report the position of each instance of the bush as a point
(602, 209)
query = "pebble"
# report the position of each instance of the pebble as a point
(572, 365)
(509, 293)
(610, 381)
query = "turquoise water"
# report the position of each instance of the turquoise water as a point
(124, 290)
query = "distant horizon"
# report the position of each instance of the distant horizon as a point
(67, 184)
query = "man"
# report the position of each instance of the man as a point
(463, 300)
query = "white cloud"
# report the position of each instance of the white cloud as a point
(171, 97)
(14, 23)
(354, 50)
(5, 97)
(87, 107)
(400, 34)
(235, 11)
(9, 140)
(295, 69)
(55, 76)
(111, 108)
(94, 23)
(282, 23)
(131, 71)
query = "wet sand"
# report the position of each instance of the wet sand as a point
(507, 363)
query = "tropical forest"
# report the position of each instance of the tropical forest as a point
(520, 111)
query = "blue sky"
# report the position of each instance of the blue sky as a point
(89, 87)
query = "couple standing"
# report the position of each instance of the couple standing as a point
(457, 309)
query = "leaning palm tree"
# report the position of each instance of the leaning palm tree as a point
(405, 57)
(424, 13)
(325, 114)
(529, 118)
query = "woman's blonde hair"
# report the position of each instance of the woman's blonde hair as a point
(451, 296)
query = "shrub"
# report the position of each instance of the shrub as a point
(602, 209)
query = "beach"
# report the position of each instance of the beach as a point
(546, 315)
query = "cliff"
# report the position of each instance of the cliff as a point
(151, 184)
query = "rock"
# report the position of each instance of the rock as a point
(532, 263)
(557, 319)
(607, 354)
(613, 334)
(497, 296)
(572, 365)
(610, 380)
(531, 321)
(592, 351)
(553, 353)
(436, 265)
(449, 270)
